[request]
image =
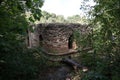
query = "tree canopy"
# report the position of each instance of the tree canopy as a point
(13, 29)
(105, 20)
(53, 18)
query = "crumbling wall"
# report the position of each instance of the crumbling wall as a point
(54, 37)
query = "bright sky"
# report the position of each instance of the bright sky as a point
(63, 7)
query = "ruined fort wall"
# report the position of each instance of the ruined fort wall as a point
(54, 37)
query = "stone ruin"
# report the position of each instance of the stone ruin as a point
(55, 37)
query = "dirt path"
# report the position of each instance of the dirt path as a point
(56, 73)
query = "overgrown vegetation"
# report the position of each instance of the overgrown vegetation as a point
(17, 62)
(104, 60)
(53, 18)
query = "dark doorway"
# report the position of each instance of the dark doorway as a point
(28, 38)
(40, 40)
(70, 42)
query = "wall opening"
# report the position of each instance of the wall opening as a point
(40, 40)
(28, 44)
(70, 42)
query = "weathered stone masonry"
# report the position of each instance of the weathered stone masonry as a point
(55, 37)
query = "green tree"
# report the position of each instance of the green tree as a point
(106, 31)
(51, 18)
(77, 19)
(15, 63)
(106, 13)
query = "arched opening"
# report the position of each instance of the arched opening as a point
(28, 40)
(70, 42)
(40, 40)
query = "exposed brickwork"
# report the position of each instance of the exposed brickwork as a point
(54, 37)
